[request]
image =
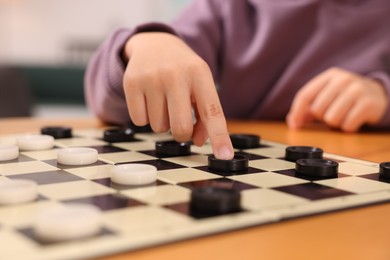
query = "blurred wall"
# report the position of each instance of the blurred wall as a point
(66, 31)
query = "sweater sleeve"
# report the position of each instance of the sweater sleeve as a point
(103, 81)
(384, 78)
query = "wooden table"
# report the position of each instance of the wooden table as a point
(362, 233)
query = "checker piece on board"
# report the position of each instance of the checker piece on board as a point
(8, 152)
(215, 201)
(57, 131)
(18, 191)
(35, 142)
(245, 141)
(116, 135)
(294, 153)
(67, 222)
(77, 156)
(384, 170)
(133, 174)
(237, 164)
(173, 148)
(317, 168)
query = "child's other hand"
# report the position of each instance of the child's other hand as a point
(164, 80)
(341, 99)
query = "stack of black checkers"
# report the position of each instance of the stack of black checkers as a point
(309, 162)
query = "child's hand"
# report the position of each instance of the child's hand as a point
(341, 99)
(164, 80)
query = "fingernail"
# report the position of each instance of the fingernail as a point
(224, 153)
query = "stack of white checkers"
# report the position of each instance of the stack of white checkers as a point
(71, 221)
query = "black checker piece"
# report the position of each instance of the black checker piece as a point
(213, 201)
(173, 148)
(384, 170)
(115, 135)
(239, 163)
(294, 153)
(317, 168)
(245, 141)
(57, 132)
(218, 183)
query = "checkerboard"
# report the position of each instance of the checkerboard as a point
(139, 217)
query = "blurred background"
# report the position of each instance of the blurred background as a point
(46, 44)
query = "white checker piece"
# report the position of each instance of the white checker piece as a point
(189, 161)
(133, 174)
(271, 164)
(77, 156)
(184, 175)
(267, 179)
(79, 189)
(122, 157)
(262, 199)
(144, 219)
(356, 169)
(67, 222)
(159, 195)
(35, 142)
(18, 191)
(355, 184)
(8, 152)
(25, 167)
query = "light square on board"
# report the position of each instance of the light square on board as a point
(18, 246)
(189, 161)
(270, 152)
(78, 141)
(356, 184)
(356, 169)
(136, 146)
(42, 155)
(92, 172)
(123, 157)
(205, 149)
(184, 175)
(159, 195)
(267, 179)
(25, 167)
(259, 199)
(93, 133)
(143, 218)
(73, 190)
(271, 164)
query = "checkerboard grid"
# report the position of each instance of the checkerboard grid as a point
(293, 208)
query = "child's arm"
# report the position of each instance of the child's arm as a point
(341, 99)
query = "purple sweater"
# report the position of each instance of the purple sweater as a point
(260, 51)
